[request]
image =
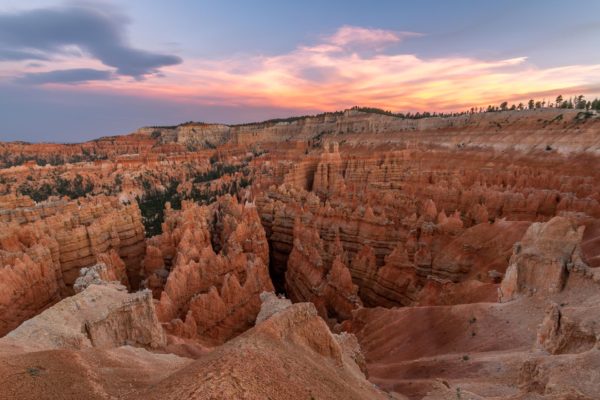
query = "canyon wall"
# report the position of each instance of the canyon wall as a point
(43, 247)
(462, 252)
(417, 230)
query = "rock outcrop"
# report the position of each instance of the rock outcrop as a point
(569, 329)
(110, 269)
(43, 247)
(97, 344)
(540, 260)
(328, 180)
(102, 316)
(294, 345)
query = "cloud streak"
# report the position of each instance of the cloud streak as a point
(327, 76)
(350, 67)
(67, 76)
(96, 31)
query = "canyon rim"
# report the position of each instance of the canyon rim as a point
(449, 249)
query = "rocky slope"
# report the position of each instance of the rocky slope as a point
(461, 251)
(539, 342)
(89, 354)
(295, 349)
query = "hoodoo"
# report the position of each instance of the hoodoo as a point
(445, 247)
(433, 271)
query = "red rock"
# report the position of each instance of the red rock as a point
(401, 233)
(313, 276)
(42, 249)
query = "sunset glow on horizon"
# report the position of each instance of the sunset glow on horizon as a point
(336, 69)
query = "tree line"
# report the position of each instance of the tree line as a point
(577, 102)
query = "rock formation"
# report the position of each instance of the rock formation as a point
(319, 275)
(294, 345)
(110, 269)
(208, 268)
(44, 246)
(101, 316)
(453, 257)
(539, 262)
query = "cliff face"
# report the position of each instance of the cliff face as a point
(418, 226)
(191, 136)
(208, 268)
(319, 275)
(44, 246)
(102, 316)
(562, 130)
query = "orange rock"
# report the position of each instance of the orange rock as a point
(313, 276)
(219, 268)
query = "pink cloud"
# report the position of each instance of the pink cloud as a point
(347, 35)
(327, 76)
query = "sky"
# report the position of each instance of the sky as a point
(72, 71)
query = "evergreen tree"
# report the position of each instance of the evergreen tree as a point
(559, 100)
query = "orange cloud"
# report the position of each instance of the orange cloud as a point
(333, 74)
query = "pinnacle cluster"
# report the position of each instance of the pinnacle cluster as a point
(351, 255)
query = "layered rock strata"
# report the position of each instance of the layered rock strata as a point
(44, 246)
(540, 343)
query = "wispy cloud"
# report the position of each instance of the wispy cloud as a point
(352, 66)
(347, 35)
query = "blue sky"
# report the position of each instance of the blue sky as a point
(72, 71)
